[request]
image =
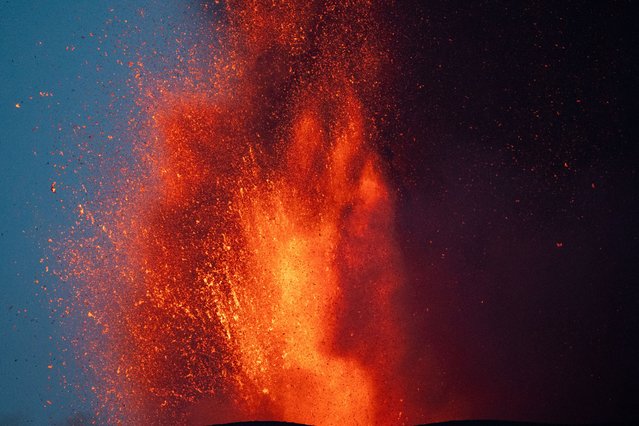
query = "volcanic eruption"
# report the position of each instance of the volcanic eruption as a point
(249, 263)
(354, 212)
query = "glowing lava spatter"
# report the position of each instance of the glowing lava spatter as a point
(251, 267)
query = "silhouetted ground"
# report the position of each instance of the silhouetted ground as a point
(258, 423)
(455, 423)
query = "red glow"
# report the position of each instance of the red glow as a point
(252, 262)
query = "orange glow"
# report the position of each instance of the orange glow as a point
(251, 263)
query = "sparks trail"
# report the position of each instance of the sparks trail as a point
(255, 262)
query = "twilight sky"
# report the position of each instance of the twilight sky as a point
(64, 64)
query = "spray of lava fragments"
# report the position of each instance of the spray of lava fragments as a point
(247, 269)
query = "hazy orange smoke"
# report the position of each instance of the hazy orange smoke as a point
(254, 261)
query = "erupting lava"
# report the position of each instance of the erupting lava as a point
(251, 263)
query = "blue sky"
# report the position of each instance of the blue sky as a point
(63, 66)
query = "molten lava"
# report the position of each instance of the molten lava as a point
(250, 263)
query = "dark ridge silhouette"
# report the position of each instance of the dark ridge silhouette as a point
(257, 422)
(451, 423)
(517, 423)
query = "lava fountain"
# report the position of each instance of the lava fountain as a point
(247, 268)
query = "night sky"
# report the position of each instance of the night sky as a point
(519, 216)
(514, 159)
